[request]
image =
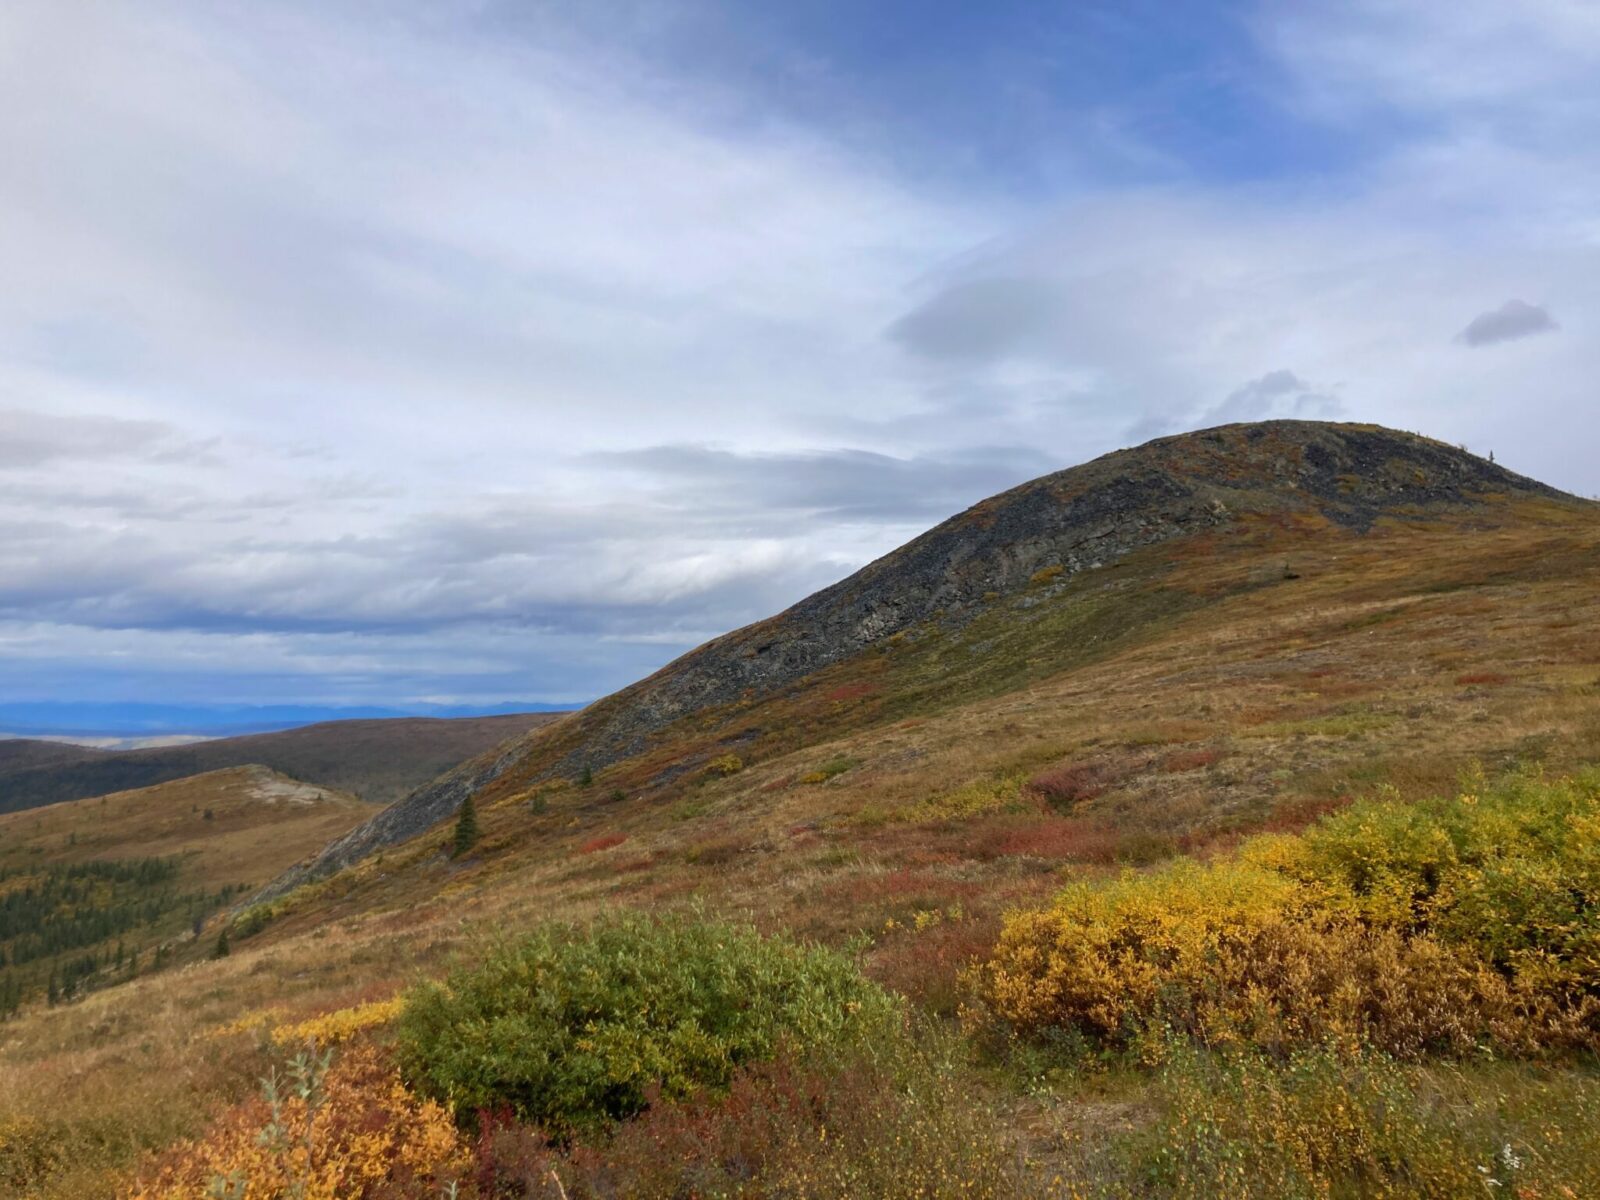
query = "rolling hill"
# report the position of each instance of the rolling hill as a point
(90, 886)
(25, 754)
(376, 760)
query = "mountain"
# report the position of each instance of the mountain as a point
(378, 761)
(1049, 575)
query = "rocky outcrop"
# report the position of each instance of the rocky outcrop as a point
(401, 821)
(1067, 522)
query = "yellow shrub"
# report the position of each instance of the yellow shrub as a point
(249, 1022)
(1427, 926)
(1098, 956)
(969, 800)
(340, 1025)
(351, 1134)
(1234, 953)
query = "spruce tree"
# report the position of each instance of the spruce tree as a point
(221, 949)
(466, 828)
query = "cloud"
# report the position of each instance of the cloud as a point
(980, 318)
(401, 279)
(1276, 394)
(32, 439)
(1500, 69)
(844, 485)
(466, 353)
(1512, 320)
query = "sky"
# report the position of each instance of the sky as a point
(462, 352)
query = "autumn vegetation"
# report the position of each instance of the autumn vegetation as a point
(1250, 889)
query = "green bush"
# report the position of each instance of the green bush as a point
(572, 1026)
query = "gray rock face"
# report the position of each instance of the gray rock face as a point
(1074, 520)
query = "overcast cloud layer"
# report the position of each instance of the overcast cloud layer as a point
(398, 352)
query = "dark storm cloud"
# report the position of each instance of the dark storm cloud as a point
(1512, 320)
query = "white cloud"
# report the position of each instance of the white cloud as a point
(30, 439)
(1276, 394)
(396, 273)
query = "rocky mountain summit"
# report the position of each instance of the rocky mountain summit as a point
(1073, 521)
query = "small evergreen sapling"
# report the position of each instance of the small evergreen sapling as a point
(466, 828)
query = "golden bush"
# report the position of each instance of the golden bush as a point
(1414, 928)
(340, 1025)
(336, 1129)
(1234, 954)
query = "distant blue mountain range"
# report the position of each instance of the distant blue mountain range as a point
(87, 718)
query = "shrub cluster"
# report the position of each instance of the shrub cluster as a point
(345, 1129)
(571, 1027)
(1426, 927)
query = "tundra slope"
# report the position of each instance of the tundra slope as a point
(1063, 524)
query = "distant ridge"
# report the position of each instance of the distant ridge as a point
(1342, 477)
(100, 719)
(376, 760)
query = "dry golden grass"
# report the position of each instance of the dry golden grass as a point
(259, 823)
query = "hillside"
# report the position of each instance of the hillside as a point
(376, 760)
(172, 855)
(1111, 678)
(24, 754)
(1022, 573)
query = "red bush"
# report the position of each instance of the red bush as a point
(850, 691)
(1069, 838)
(1189, 760)
(1070, 783)
(926, 965)
(1291, 816)
(602, 842)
